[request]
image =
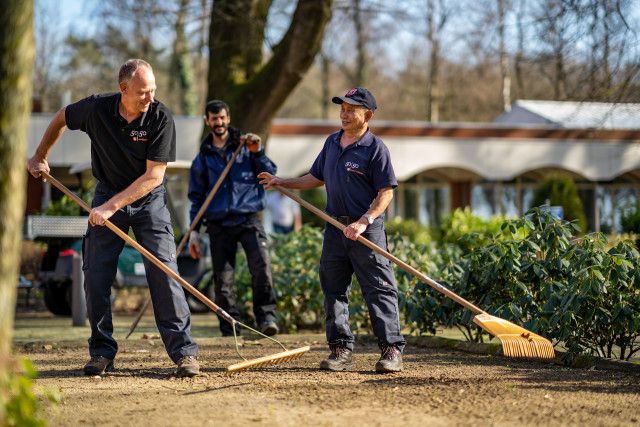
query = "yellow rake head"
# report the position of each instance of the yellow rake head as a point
(516, 341)
(261, 362)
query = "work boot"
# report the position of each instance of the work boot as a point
(188, 366)
(340, 359)
(98, 365)
(390, 360)
(269, 328)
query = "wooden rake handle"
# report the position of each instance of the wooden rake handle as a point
(212, 193)
(185, 236)
(437, 286)
(186, 285)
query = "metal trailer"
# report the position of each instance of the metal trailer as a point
(63, 236)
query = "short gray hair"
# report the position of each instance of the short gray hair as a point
(129, 68)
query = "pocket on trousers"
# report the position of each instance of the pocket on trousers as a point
(85, 244)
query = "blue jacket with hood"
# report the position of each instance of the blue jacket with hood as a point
(240, 194)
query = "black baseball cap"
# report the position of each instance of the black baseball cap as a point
(357, 96)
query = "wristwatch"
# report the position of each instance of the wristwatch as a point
(369, 219)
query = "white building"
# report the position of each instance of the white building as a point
(490, 167)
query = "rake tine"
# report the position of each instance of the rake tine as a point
(267, 360)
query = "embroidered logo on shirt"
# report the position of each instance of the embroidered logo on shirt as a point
(353, 167)
(139, 135)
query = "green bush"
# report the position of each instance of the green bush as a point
(581, 293)
(66, 206)
(630, 221)
(572, 291)
(295, 258)
(18, 404)
(409, 228)
(560, 190)
(462, 222)
(318, 198)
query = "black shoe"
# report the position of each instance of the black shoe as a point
(188, 366)
(390, 360)
(269, 328)
(98, 365)
(340, 359)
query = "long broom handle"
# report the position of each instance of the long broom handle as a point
(185, 236)
(186, 285)
(384, 253)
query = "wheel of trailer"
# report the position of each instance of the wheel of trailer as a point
(57, 298)
(204, 284)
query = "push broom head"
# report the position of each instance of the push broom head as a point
(261, 362)
(516, 341)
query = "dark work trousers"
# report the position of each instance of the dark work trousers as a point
(340, 258)
(224, 247)
(149, 219)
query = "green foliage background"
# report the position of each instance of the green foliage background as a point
(582, 293)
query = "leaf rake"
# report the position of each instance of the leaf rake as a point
(281, 357)
(516, 340)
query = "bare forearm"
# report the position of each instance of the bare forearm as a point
(381, 202)
(38, 162)
(138, 188)
(306, 182)
(56, 127)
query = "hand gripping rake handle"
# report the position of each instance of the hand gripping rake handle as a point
(185, 236)
(385, 254)
(186, 285)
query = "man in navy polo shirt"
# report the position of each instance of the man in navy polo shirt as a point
(355, 167)
(132, 139)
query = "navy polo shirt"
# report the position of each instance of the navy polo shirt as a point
(120, 150)
(353, 176)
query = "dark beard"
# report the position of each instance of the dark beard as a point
(217, 132)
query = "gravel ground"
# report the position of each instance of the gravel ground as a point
(438, 387)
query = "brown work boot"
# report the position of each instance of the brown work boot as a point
(98, 365)
(269, 328)
(390, 360)
(188, 366)
(340, 359)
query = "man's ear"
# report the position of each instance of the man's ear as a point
(368, 115)
(123, 87)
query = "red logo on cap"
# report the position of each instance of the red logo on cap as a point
(351, 92)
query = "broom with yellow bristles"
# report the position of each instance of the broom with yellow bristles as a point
(516, 341)
(274, 359)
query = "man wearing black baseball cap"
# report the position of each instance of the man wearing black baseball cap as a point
(357, 96)
(355, 168)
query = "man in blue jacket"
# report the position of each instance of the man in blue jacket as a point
(232, 216)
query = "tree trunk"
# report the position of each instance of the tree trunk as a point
(325, 67)
(181, 83)
(16, 61)
(255, 90)
(436, 20)
(519, 59)
(504, 61)
(361, 62)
